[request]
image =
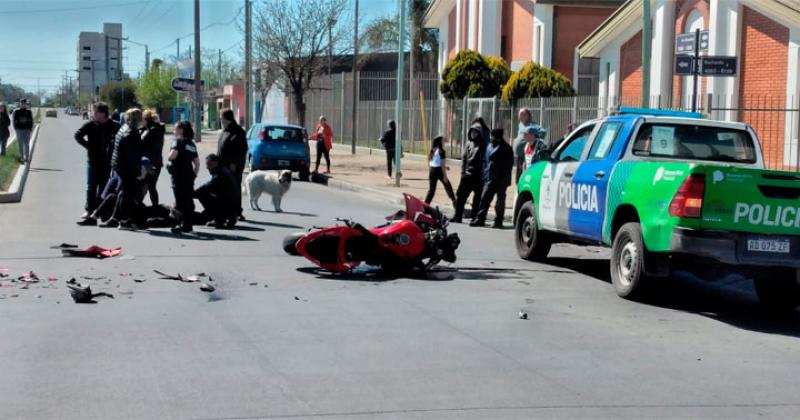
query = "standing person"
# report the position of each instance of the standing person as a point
(97, 137)
(388, 142)
(520, 143)
(184, 164)
(23, 124)
(437, 160)
(153, 149)
(218, 196)
(232, 152)
(5, 122)
(471, 167)
(126, 162)
(498, 164)
(485, 130)
(323, 134)
(534, 144)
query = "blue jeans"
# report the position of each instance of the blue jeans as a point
(23, 141)
(97, 174)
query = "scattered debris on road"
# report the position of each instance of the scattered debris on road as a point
(254, 284)
(207, 287)
(139, 280)
(523, 315)
(63, 245)
(93, 251)
(178, 277)
(83, 293)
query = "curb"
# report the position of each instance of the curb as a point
(388, 197)
(14, 193)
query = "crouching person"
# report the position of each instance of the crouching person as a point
(219, 196)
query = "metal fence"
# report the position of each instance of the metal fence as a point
(776, 120)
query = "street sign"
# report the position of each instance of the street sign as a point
(684, 65)
(684, 43)
(718, 66)
(182, 84)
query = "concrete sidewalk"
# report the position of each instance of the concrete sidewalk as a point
(367, 168)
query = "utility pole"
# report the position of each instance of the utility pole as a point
(146, 60)
(198, 86)
(398, 111)
(219, 68)
(647, 40)
(354, 115)
(248, 63)
(177, 95)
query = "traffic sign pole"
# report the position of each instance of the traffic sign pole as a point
(696, 65)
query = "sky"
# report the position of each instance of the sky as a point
(38, 38)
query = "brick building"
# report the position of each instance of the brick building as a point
(544, 31)
(763, 34)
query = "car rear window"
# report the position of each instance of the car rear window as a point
(695, 142)
(281, 134)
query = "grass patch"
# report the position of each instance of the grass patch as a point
(8, 166)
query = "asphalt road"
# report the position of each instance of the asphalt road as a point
(277, 340)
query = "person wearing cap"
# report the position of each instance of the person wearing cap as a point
(497, 167)
(533, 145)
(23, 124)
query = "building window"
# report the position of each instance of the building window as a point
(87, 48)
(86, 68)
(588, 77)
(86, 58)
(113, 58)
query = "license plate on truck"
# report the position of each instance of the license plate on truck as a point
(779, 246)
(283, 163)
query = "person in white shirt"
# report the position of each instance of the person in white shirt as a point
(437, 160)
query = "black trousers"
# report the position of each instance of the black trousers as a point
(128, 195)
(520, 166)
(434, 176)
(152, 182)
(215, 209)
(389, 161)
(184, 199)
(468, 185)
(238, 177)
(323, 151)
(490, 191)
(97, 173)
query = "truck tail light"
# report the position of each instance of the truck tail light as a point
(688, 201)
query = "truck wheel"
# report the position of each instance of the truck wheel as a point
(290, 243)
(532, 243)
(627, 262)
(779, 290)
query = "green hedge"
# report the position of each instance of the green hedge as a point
(471, 74)
(535, 81)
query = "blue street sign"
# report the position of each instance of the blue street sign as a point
(684, 43)
(182, 84)
(718, 66)
(684, 65)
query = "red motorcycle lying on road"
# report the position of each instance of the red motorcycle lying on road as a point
(414, 238)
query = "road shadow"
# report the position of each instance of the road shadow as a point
(199, 236)
(247, 228)
(438, 273)
(45, 170)
(730, 299)
(273, 224)
(291, 213)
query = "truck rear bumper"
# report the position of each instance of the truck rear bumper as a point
(731, 248)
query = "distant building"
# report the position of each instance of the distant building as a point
(99, 56)
(519, 31)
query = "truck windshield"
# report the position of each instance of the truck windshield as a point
(695, 142)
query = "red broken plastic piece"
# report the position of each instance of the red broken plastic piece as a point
(92, 251)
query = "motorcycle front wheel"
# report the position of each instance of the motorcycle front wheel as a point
(290, 243)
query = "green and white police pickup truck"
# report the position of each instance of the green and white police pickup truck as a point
(666, 191)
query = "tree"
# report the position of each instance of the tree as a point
(535, 81)
(296, 37)
(119, 94)
(154, 89)
(471, 74)
(381, 35)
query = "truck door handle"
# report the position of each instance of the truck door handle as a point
(599, 174)
(568, 174)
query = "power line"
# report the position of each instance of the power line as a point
(209, 26)
(71, 9)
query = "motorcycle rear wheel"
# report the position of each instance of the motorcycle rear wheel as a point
(290, 243)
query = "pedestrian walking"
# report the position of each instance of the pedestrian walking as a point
(498, 164)
(5, 122)
(218, 195)
(153, 149)
(471, 173)
(23, 124)
(388, 142)
(183, 166)
(437, 161)
(485, 130)
(323, 134)
(232, 153)
(97, 137)
(126, 162)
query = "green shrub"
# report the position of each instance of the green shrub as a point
(535, 81)
(471, 74)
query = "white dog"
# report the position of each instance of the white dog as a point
(273, 183)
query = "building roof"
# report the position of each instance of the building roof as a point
(437, 11)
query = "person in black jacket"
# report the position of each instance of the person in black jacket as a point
(183, 167)
(5, 122)
(232, 151)
(153, 149)
(498, 163)
(23, 124)
(126, 162)
(218, 196)
(388, 142)
(471, 167)
(97, 137)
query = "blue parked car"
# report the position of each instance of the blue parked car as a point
(278, 147)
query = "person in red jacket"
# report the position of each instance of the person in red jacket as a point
(323, 134)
